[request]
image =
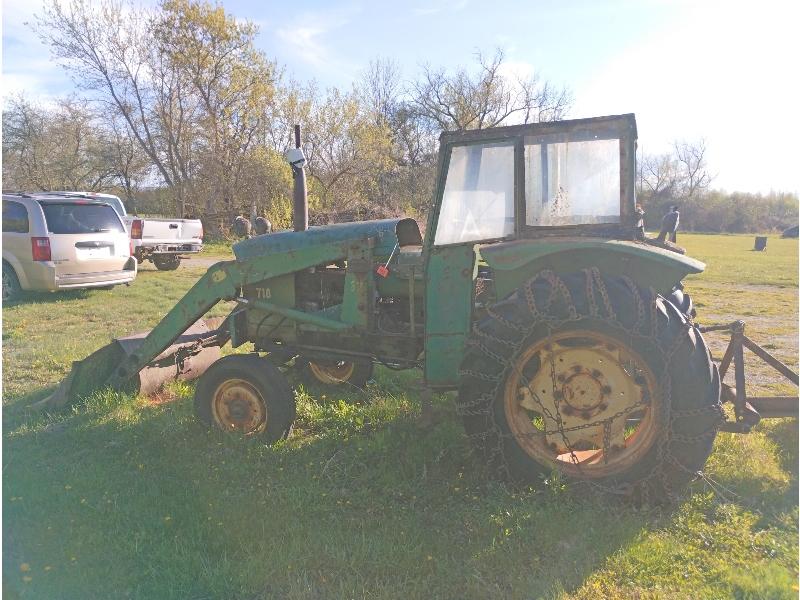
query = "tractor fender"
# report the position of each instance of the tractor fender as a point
(515, 262)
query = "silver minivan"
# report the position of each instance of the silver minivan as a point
(57, 243)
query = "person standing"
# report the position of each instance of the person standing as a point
(669, 225)
(639, 222)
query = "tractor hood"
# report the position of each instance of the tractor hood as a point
(386, 232)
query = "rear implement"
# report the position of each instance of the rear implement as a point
(748, 411)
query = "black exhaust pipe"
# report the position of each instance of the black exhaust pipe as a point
(300, 208)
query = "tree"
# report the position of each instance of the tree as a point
(59, 148)
(655, 175)
(678, 177)
(131, 165)
(347, 152)
(110, 51)
(487, 98)
(682, 177)
(232, 82)
(185, 78)
(692, 168)
(379, 90)
(406, 184)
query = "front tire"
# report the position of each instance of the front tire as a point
(595, 378)
(245, 393)
(166, 262)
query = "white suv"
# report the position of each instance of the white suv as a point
(56, 243)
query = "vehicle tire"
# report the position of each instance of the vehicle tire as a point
(166, 262)
(11, 287)
(595, 378)
(345, 373)
(245, 393)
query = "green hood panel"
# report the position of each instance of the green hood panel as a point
(515, 262)
(291, 241)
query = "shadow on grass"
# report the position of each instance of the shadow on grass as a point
(51, 297)
(380, 510)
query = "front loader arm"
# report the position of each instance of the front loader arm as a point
(121, 364)
(220, 282)
(137, 363)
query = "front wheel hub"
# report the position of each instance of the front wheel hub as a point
(238, 406)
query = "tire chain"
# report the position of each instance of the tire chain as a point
(539, 315)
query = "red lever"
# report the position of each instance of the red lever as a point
(383, 270)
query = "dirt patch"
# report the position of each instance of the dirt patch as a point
(161, 397)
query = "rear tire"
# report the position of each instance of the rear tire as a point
(11, 287)
(166, 262)
(515, 401)
(245, 393)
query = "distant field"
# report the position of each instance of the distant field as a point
(131, 498)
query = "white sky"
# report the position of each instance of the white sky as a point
(723, 71)
(734, 83)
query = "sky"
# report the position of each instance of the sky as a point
(725, 72)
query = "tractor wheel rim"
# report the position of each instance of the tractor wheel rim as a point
(238, 406)
(584, 403)
(332, 373)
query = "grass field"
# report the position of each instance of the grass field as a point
(131, 498)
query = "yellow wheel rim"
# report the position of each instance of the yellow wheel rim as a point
(583, 403)
(333, 373)
(238, 406)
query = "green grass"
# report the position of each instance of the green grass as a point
(731, 259)
(217, 248)
(127, 498)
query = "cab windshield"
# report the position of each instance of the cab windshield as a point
(478, 200)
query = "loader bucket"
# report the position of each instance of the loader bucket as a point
(186, 359)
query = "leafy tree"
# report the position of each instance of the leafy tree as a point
(681, 177)
(230, 80)
(185, 78)
(60, 148)
(110, 50)
(347, 152)
(486, 98)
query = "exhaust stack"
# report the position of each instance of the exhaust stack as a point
(298, 161)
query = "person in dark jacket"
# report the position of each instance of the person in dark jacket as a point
(669, 226)
(639, 222)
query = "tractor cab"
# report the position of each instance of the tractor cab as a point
(528, 181)
(512, 201)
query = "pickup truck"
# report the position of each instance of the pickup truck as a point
(161, 241)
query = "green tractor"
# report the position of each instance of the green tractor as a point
(532, 294)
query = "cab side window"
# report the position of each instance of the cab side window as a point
(15, 217)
